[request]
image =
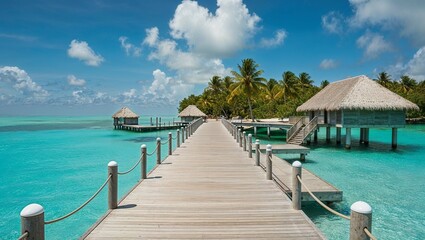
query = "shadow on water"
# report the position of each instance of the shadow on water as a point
(142, 139)
(315, 211)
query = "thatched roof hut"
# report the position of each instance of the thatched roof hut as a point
(356, 93)
(125, 117)
(190, 113)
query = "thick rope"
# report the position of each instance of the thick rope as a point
(131, 169)
(23, 236)
(320, 202)
(369, 234)
(150, 154)
(82, 205)
(165, 142)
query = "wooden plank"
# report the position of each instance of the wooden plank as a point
(207, 189)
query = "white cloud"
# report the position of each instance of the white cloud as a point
(414, 68)
(87, 96)
(151, 36)
(214, 34)
(82, 51)
(129, 48)
(277, 40)
(16, 84)
(73, 81)
(405, 17)
(328, 64)
(373, 44)
(333, 22)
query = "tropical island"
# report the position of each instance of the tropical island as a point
(247, 94)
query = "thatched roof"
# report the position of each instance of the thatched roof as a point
(125, 112)
(356, 93)
(192, 111)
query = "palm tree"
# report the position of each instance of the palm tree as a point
(407, 83)
(384, 79)
(215, 85)
(324, 83)
(248, 81)
(287, 86)
(271, 90)
(304, 80)
(227, 82)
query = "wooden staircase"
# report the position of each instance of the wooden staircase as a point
(301, 130)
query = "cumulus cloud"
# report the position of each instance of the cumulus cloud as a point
(130, 49)
(406, 17)
(151, 36)
(277, 40)
(414, 68)
(333, 22)
(214, 34)
(373, 44)
(328, 64)
(87, 96)
(82, 51)
(16, 84)
(74, 81)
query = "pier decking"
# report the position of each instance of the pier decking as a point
(140, 128)
(210, 189)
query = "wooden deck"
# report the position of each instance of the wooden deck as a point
(208, 189)
(140, 128)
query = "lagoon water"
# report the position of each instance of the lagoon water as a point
(60, 162)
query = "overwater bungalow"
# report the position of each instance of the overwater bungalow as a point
(125, 117)
(356, 102)
(191, 113)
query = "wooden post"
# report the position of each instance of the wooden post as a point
(160, 122)
(178, 138)
(240, 137)
(32, 221)
(361, 135)
(328, 134)
(250, 145)
(244, 141)
(187, 132)
(269, 173)
(296, 185)
(257, 152)
(255, 130)
(170, 143)
(158, 150)
(366, 136)
(394, 138)
(268, 132)
(156, 122)
(143, 162)
(151, 122)
(315, 136)
(302, 157)
(348, 138)
(338, 135)
(235, 132)
(182, 134)
(113, 185)
(360, 218)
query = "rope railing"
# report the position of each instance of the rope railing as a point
(320, 202)
(369, 234)
(150, 154)
(82, 205)
(131, 169)
(23, 236)
(165, 142)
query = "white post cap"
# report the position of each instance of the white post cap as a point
(112, 164)
(143, 146)
(297, 164)
(31, 210)
(244, 132)
(269, 146)
(250, 135)
(361, 207)
(170, 133)
(257, 141)
(158, 139)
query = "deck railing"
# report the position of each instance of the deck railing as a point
(361, 212)
(310, 127)
(32, 216)
(295, 128)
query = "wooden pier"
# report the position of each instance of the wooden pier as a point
(208, 189)
(140, 128)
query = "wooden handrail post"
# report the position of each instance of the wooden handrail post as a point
(158, 150)
(178, 138)
(244, 140)
(360, 218)
(238, 139)
(234, 132)
(170, 143)
(113, 185)
(187, 132)
(143, 162)
(269, 167)
(183, 130)
(32, 221)
(296, 185)
(257, 152)
(250, 145)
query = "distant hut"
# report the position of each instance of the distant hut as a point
(125, 117)
(357, 102)
(191, 113)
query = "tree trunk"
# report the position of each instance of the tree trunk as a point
(250, 109)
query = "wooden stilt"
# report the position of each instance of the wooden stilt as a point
(348, 138)
(328, 134)
(338, 135)
(366, 136)
(394, 138)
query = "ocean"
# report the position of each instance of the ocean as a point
(59, 162)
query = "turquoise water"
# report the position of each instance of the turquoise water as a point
(59, 163)
(392, 182)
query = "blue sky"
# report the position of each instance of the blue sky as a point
(93, 57)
